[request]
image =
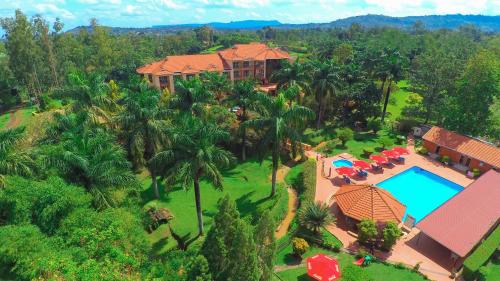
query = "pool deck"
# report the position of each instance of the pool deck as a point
(409, 250)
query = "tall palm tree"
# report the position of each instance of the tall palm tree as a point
(392, 70)
(91, 97)
(293, 74)
(192, 155)
(325, 82)
(244, 96)
(191, 96)
(145, 126)
(217, 84)
(13, 160)
(280, 123)
(91, 159)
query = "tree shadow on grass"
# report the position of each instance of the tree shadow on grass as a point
(303, 277)
(157, 247)
(292, 259)
(248, 207)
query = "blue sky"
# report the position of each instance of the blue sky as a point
(140, 13)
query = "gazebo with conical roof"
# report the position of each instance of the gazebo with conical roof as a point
(369, 202)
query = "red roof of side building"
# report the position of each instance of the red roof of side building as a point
(253, 51)
(187, 64)
(465, 145)
(461, 222)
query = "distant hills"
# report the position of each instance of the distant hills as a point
(485, 23)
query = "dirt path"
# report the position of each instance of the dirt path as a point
(293, 203)
(14, 119)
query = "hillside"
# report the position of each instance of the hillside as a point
(485, 23)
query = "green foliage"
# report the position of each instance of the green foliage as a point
(374, 125)
(367, 230)
(266, 245)
(482, 253)
(13, 161)
(445, 159)
(385, 141)
(390, 234)
(354, 273)
(422, 150)
(309, 181)
(315, 216)
(197, 269)
(344, 135)
(300, 246)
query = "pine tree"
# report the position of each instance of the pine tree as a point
(197, 269)
(221, 234)
(243, 263)
(266, 245)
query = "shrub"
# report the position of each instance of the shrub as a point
(367, 230)
(476, 172)
(315, 215)
(404, 126)
(445, 159)
(300, 246)
(385, 141)
(345, 135)
(400, 139)
(481, 255)
(309, 181)
(374, 125)
(400, 265)
(422, 150)
(361, 253)
(367, 152)
(354, 273)
(391, 234)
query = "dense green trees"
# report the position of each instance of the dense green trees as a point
(13, 159)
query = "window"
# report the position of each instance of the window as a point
(246, 64)
(190, 76)
(236, 64)
(481, 164)
(226, 74)
(163, 80)
(260, 72)
(246, 73)
(438, 149)
(150, 78)
(236, 74)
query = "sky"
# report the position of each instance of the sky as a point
(145, 13)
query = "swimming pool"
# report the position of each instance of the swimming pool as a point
(341, 163)
(420, 190)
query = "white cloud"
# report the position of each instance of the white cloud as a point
(249, 3)
(53, 10)
(172, 4)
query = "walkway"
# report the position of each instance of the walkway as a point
(293, 204)
(14, 119)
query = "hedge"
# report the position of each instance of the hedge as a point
(309, 181)
(481, 255)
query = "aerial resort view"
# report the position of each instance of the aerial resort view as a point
(246, 140)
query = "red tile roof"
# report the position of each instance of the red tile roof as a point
(369, 202)
(186, 64)
(253, 51)
(465, 145)
(461, 222)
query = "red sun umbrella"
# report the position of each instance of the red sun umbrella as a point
(322, 267)
(400, 150)
(390, 153)
(379, 159)
(360, 164)
(346, 171)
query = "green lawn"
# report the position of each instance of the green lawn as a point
(4, 119)
(25, 115)
(397, 100)
(493, 271)
(377, 271)
(248, 184)
(212, 50)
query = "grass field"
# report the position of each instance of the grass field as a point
(25, 115)
(397, 100)
(248, 184)
(377, 271)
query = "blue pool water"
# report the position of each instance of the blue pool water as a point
(420, 190)
(341, 163)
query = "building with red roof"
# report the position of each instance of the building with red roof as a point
(462, 222)
(465, 152)
(243, 61)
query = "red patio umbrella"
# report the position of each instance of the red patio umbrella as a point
(400, 150)
(360, 164)
(379, 159)
(346, 171)
(390, 153)
(322, 267)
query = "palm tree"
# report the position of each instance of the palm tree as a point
(392, 63)
(91, 97)
(194, 154)
(91, 159)
(145, 126)
(243, 96)
(191, 96)
(293, 74)
(13, 160)
(325, 82)
(315, 215)
(217, 84)
(280, 123)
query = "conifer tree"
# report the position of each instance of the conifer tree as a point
(266, 245)
(197, 269)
